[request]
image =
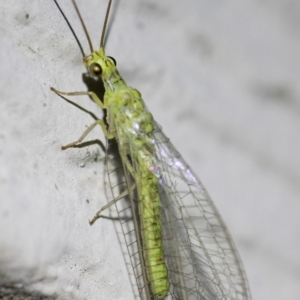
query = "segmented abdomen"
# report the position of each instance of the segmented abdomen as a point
(151, 229)
(134, 125)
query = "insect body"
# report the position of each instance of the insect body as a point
(132, 125)
(184, 248)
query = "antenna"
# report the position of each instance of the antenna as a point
(71, 28)
(105, 23)
(83, 26)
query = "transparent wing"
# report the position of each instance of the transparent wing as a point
(127, 229)
(201, 258)
(118, 182)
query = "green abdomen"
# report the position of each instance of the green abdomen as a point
(151, 231)
(135, 126)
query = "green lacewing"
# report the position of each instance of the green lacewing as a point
(183, 246)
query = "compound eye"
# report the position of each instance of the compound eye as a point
(95, 69)
(114, 61)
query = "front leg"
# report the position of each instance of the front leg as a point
(102, 105)
(91, 94)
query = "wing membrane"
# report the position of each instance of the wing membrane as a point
(201, 258)
(120, 180)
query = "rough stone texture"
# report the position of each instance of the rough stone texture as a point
(221, 77)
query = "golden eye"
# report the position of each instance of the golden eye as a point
(95, 69)
(114, 61)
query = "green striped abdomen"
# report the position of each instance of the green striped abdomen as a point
(134, 126)
(151, 229)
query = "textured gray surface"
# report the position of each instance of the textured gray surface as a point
(221, 77)
(10, 290)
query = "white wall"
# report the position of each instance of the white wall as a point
(221, 77)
